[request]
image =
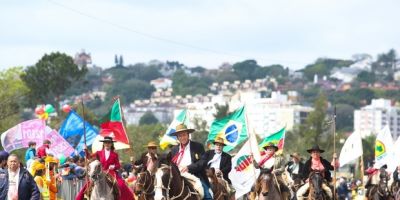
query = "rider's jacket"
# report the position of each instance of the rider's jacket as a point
(278, 165)
(396, 176)
(307, 169)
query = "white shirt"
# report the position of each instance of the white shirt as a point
(295, 168)
(107, 153)
(186, 159)
(13, 182)
(215, 161)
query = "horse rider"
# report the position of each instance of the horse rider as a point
(396, 177)
(219, 160)
(295, 166)
(316, 163)
(187, 156)
(109, 160)
(147, 157)
(271, 163)
(374, 175)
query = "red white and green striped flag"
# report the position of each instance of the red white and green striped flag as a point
(278, 138)
(112, 125)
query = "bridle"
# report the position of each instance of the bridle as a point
(142, 185)
(168, 188)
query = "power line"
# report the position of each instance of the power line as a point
(155, 37)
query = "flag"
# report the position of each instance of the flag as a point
(395, 161)
(20, 135)
(232, 129)
(72, 131)
(243, 174)
(277, 138)
(112, 125)
(383, 147)
(167, 139)
(351, 150)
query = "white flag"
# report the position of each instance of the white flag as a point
(243, 174)
(351, 150)
(395, 161)
(383, 147)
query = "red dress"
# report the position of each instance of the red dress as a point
(124, 191)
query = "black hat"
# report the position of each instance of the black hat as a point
(315, 148)
(107, 139)
(270, 144)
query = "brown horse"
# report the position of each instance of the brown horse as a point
(144, 187)
(395, 189)
(218, 185)
(316, 192)
(274, 190)
(381, 190)
(171, 185)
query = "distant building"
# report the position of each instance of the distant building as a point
(83, 59)
(374, 117)
(346, 74)
(161, 83)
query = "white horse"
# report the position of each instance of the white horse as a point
(102, 185)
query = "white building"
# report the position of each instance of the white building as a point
(373, 118)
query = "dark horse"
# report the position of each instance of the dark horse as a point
(380, 191)
(171, 185)
(316, 192)
(218, 185)
(395, 189)
(144, 187)
(274, 190)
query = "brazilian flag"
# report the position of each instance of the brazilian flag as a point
(233, 129)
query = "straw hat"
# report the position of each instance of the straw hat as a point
(182, 128)
(219, 140)
(151, 144)
(295, 155)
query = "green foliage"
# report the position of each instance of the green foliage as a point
(139, 136)
(385, 64)
(222, 111)
(201, 133)
(246, 70)
(50, 77)
(12, 94)
(148, 118)
(368, 144)
(226, 76)
(368, 77)
(183, 84)
(130, 90)
(323, 66)
(344, 117)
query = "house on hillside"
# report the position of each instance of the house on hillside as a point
(83, 59)
(346, 74)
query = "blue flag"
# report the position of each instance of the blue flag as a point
(72, 131)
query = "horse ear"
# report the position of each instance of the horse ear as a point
(212, 170)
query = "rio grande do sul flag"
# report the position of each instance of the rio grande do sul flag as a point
(167, 139)
(383, 147)
(277, 138)
(243, 173)
(112, 125)
(233, 129)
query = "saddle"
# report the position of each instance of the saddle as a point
(195, 183)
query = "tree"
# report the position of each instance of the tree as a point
(323, 67)
(116, 60)
(368, 77)
(368, 144)
(130, 90)
(148, 118)
(121, 61)
(13, 92)
(222, 111)
(246, 69)
(345, 117)
(201, 133)
(183, 84)
(50, 77)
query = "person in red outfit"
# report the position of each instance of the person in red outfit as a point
(42, 151)
(110, 162)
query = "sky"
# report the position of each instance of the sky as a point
(205, 33)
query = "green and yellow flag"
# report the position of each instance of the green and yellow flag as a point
(278, 138)
(233, 129)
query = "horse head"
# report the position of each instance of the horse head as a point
(316, 180)
(162, 182)
(94, 170)
(144, 183)
(383, 189)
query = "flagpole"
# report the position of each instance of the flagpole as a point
(84, 139)
(334, 152)
(251, 146)
(362, 169)
(131, 158)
